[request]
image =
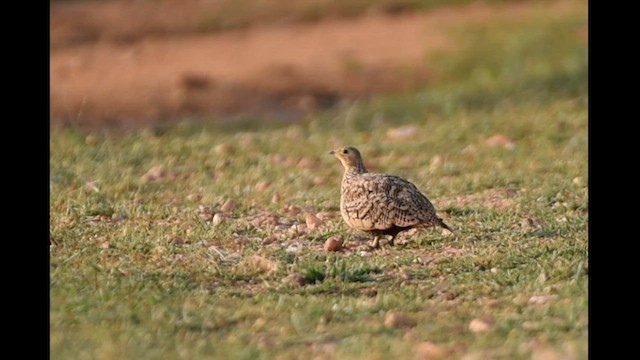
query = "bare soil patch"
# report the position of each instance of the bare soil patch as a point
(107, 69)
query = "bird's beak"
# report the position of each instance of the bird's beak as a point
(332, 152)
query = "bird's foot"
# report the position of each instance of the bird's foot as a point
(375, 244)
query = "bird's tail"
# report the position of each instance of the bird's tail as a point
(442, 224)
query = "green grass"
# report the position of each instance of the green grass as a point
(136, 271)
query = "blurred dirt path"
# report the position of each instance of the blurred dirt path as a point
(279, 70)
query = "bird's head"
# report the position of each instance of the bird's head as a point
(350, 158)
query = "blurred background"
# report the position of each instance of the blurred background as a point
(132, 63)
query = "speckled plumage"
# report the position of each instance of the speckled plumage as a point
(381, 204)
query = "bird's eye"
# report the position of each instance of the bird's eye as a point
(345, 151)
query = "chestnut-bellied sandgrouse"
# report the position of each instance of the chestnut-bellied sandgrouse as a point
(381, 204)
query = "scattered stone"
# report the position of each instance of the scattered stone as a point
(217, 219)
(501, 141)
(224, 149)
(295, 279)
(297, 229)
(292, 249)
(398, 320)
(403, 132)
(539, 299)
(194, 197)
(262, 186)
(228, 205)
(154, 174)
(312, 221)
(333, 243)
(291, 210)
(577, 181)
(428, 350)
(481, 324)
(206, 216)
(263, 264)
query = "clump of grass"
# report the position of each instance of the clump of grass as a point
(314, 275)
(340, 270)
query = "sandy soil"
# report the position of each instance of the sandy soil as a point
(106, 68)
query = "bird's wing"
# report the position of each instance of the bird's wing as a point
(398, 202)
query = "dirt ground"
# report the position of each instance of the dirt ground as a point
(127, 64)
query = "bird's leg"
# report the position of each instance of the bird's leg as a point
(376, 242)
(392, 238)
